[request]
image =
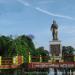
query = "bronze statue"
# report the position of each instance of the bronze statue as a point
(54, 29)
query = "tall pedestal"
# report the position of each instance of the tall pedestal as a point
(55, 50)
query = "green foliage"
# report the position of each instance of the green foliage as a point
(44, 53)
(4, 45)
(24, 45)
(21, 45)
(41, 51)
(68, 53)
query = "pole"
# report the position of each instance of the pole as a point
(40, 58)
(29, 58)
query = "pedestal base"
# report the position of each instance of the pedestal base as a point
(55, 50)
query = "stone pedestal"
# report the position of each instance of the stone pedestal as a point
(55, 50)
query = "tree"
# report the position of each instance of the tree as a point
(41, 51)
(44, 53)
(24, 45)
(68, 52)
(4, 45)
(20, 45)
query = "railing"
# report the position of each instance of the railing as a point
(7, 61)
(11, 60)
(19, 59)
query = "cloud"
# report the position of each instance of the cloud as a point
(24, 2)
(52, 14)
(46, 12)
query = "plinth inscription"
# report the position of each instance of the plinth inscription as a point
(55, 49)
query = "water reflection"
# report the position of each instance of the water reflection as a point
(51, 72)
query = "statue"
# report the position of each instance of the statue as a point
(54, 29)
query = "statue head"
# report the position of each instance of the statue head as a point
(54, 22)
(54, 25)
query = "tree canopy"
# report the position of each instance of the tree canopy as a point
(21, 45)
(68, 52)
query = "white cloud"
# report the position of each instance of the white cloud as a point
(46, 12)
(24, 2)
(52, 14)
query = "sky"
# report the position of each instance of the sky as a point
(35, 17)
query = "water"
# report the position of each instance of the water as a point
(51, 72)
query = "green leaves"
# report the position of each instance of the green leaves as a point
(44, 53)
(24, 45)
(21, 45)
(68, 53)
(17, 46)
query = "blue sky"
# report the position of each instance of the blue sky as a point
(35, 17)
